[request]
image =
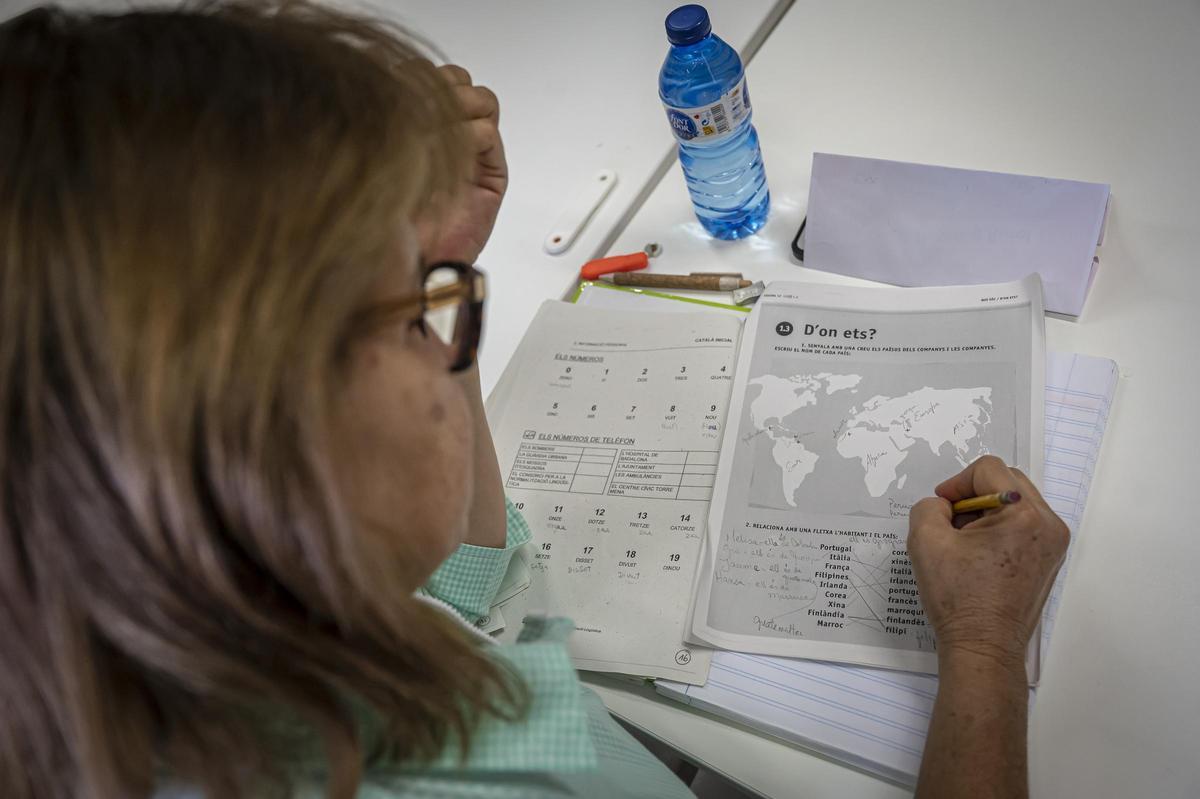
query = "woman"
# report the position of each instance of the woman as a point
(248, 500)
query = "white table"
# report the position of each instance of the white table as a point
(578, 88)
(1101, 91)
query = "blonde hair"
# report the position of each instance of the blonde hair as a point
(194, 204)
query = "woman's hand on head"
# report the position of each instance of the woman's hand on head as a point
(463, 226)
(983, 583)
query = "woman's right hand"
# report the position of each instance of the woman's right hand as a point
(983, 586)
(460, 230)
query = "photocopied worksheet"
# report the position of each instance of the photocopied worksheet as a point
(608, 438)
(849, 404)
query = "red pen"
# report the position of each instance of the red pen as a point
(632, 262)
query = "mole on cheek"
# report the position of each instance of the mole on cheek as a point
(437, 412)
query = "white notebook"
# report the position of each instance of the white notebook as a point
(876, 719)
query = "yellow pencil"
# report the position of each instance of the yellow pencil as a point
(985, 502)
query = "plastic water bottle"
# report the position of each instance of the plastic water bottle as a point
(703, 86)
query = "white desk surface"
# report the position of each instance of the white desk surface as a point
(1100, 91)
(578, 89)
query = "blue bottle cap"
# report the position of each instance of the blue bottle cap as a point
(688, 24)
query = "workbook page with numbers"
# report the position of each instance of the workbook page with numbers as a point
(608, 446)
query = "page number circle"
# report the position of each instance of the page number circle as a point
(784, 328)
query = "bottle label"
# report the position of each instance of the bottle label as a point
(713, 121)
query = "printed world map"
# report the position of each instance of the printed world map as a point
(811, 427)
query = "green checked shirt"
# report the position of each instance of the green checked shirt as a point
(566, 746)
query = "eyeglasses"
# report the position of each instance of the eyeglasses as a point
(451, 305)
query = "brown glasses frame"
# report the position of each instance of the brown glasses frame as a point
(469, 290)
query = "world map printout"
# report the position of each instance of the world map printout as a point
(835, 442)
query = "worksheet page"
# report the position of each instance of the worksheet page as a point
(850, 404)
(608, 441)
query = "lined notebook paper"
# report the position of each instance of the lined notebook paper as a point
(875, 719)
